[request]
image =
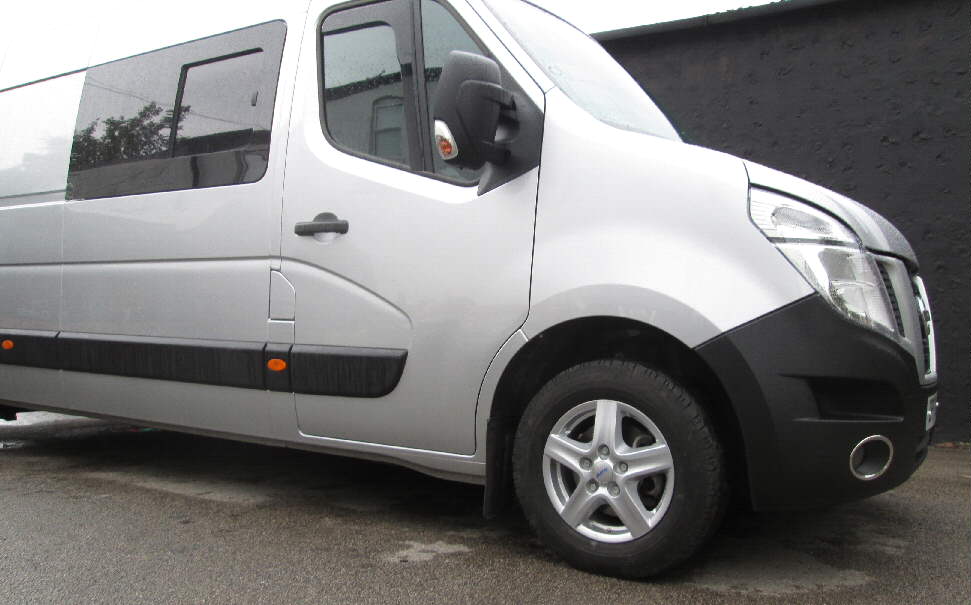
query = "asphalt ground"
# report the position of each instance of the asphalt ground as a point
(99, 512)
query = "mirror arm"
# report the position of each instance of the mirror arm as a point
(493, 151)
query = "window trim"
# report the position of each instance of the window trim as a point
(418, 91)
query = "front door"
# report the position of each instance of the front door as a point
(413, 280)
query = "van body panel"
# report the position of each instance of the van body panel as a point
(427, 266)
(382, 294)
(211, 299)
(282, 299)
(30, 233)
(490, 383)
(455, 467)
(36, 127)
(646, 305)
(26, 386)
(30, 296)
(662, 223)
(214, 408)
(218, 222)
(357, 316)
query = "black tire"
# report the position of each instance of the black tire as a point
(699, 492)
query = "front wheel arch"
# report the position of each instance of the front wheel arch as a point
(572, 342)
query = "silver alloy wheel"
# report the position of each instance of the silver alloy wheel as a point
(608, 471)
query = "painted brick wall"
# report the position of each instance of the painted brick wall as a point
(867, 97)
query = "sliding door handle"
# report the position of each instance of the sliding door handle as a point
(325, 222)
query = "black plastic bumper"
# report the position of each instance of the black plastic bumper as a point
(807, 385)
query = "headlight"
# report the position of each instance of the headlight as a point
(828, 254)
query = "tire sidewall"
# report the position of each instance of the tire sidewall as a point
(673, 413)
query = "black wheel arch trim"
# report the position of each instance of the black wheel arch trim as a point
(805, 384)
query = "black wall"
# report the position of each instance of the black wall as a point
(867, 97)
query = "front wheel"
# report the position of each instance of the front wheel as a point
(618, 469)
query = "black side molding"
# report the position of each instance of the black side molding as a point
(29, 348)
(207, 362)
(307, 369)
(347, 371)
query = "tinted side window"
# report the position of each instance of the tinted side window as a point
(379, 83)
(441, 34)
(363, 92)
(387, 126)
(193, 115)
(219, 107)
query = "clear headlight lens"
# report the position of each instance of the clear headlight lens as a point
(828, 254)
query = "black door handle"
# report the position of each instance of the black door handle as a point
(325, 222)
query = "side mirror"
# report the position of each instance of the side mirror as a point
(466, 111)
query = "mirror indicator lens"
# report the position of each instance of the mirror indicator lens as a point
(444, 141)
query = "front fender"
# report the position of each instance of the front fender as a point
(637, 303)
(635, 226)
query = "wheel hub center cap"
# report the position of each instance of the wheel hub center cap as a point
(603, 471)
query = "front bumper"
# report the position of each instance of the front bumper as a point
(807, 385)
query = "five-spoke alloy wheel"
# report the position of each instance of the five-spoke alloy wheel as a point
(608, 471)
(618, 469)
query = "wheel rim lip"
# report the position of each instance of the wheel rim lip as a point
(554, 472)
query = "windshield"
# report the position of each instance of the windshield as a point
(582, 69)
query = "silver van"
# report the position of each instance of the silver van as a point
(453, 235)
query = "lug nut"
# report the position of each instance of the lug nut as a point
(585, 464)
(604, 451)
(613, 489)
(622, 467)
(592, 486)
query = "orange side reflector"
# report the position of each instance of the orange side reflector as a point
(7, 345)
(276, 365)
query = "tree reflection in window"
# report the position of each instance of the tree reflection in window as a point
(120, 139)
(192, 115)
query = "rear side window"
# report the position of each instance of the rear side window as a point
(219, 106)
(189, 116)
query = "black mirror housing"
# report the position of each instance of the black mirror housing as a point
(469, 100)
